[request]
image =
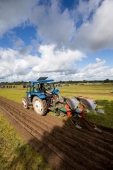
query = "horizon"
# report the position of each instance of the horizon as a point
(64, 81)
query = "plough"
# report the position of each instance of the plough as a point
(75, 107)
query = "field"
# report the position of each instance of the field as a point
(50, 128)
(102, 94)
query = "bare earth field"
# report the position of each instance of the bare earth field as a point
(63, 147)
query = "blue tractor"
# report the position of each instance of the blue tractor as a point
(40, 101)
(74, 107)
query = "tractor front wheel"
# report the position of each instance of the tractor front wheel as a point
(25, 103)
(40, 106)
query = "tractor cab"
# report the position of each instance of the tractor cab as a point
(35, 88)
(36, 97)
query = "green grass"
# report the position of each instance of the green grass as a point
(107, 88)
(15, 154)
(13, 94)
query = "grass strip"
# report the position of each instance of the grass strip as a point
(15, 153)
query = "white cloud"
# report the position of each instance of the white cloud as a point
(15, 63)
(25, 50)
(85, 9)
(52, 25)
(13, 13)
(97, 33)
(109, 73)
(56, 64)
(95, 66)
(57, 60)
(98, 59)
(51, 61)
(95, 71)
(18, 43)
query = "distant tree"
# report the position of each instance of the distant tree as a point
(84, 81)
(106, 81)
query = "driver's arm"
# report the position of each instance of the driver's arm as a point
(48, 92)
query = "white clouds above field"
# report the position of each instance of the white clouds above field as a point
(49, 39)
(60, 65)
(28, 65)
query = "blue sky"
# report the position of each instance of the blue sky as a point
(60, 39)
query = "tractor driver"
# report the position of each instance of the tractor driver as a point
(42, 88)
(48, 94)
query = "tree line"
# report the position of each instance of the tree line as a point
(62, 82)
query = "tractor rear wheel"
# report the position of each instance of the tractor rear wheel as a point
(40, 106)
(25, 102)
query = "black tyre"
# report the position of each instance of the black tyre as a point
(25, 103)
(40, 106)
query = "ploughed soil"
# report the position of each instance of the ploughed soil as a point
(61, 144)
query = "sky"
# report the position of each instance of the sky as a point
(59, 39)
